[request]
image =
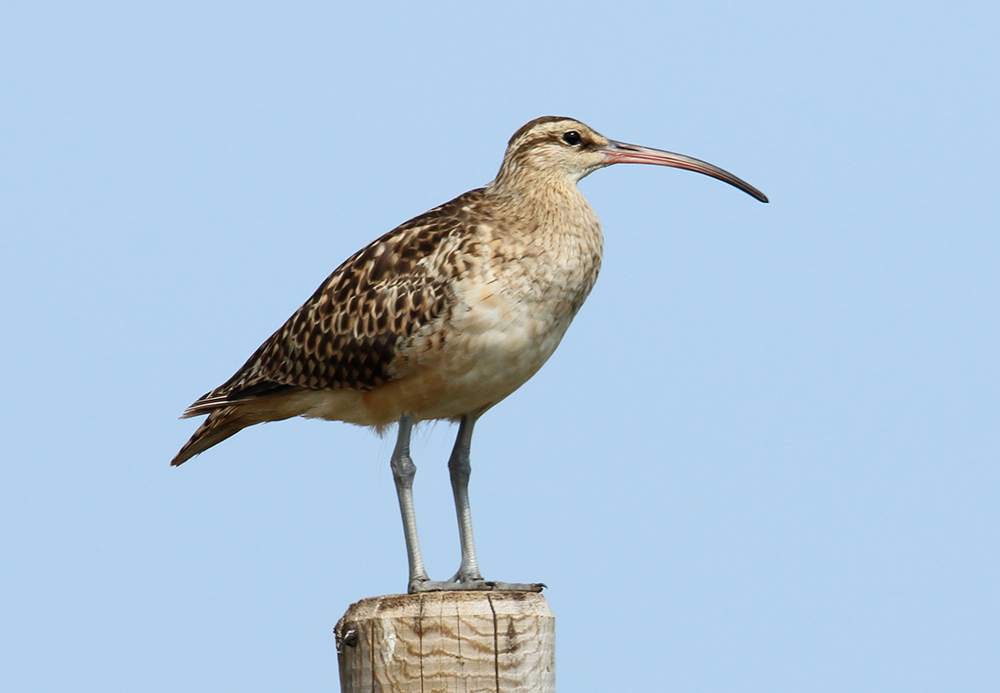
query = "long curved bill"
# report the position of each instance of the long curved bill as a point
(623, 153)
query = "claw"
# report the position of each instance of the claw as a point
(480, 585)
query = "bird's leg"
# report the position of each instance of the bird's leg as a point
(468, 576)
(403, 471)
(461, 468)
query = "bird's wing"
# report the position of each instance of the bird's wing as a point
(346, 334)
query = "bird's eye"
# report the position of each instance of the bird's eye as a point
(572, 138)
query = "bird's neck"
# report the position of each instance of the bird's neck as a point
(549, 230)
(545, 206)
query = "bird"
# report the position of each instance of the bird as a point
(442, 318)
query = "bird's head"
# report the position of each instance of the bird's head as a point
(555, 150)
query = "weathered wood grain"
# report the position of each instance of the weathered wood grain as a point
(444, 642)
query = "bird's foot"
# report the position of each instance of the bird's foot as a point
(473, 585)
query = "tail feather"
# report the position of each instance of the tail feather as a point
(228, 417)
(220, 424)
(205, 405)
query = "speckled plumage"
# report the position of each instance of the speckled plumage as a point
(443, 316)
(449, 313)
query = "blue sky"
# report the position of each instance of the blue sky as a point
(764, 457)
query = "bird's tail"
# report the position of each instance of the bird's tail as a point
(220, 424)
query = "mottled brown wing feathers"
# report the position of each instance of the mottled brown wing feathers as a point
(346, 335)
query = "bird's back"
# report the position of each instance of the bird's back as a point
(445, 314)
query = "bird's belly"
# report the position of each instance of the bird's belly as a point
(485, 367)
(466, 367)
(501, 328)
(487, 349)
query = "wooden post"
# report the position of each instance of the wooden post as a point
(472, 642)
